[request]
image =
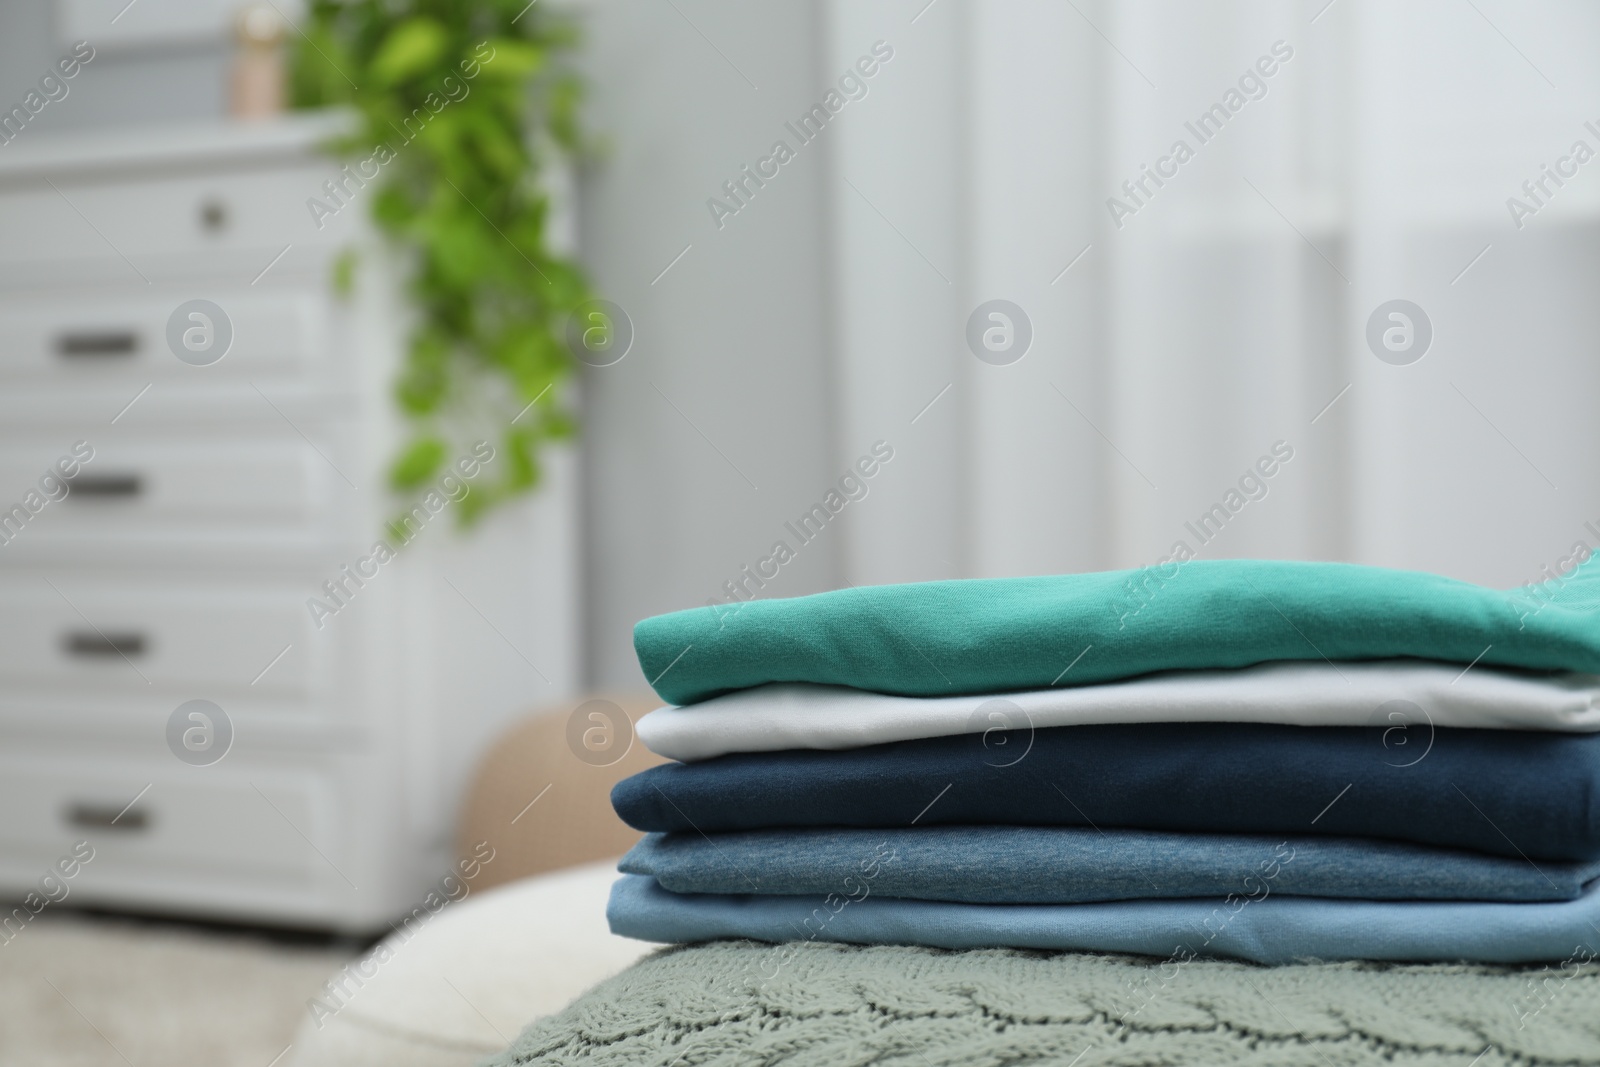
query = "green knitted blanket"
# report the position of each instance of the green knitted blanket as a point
(828, 1005)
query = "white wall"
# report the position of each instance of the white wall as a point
(121, 85)
(717, 427)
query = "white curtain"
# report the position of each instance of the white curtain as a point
(1220, 329)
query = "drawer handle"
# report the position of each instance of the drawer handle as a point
(104, 485)
(92, 644)
(97, 343)
(90, 816)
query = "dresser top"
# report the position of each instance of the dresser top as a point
(215, 143)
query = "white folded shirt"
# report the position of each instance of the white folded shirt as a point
(1388, 693)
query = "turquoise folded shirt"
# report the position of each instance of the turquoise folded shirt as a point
(997, 634)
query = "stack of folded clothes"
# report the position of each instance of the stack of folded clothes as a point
(1265, 760)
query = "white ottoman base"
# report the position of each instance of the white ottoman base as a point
(470, 978)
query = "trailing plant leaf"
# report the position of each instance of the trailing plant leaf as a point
(343, 275)
(409, 49)
(451, 94)
(418, 463)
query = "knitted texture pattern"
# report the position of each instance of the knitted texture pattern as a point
(831, 1005)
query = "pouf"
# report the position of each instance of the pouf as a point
(469, 979)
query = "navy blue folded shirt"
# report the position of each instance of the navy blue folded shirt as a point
(1512, 793)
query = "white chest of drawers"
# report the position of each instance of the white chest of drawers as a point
(219, 500)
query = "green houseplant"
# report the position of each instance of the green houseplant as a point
(457, 100)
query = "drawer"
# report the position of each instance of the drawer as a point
(250, 824)
(204, 223)
(120, 338)
(135, 489)
(137, 714)
(189, 637)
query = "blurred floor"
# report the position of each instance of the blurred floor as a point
(133, 993)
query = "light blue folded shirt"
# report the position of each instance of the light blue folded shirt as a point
(1073, 865)
(1260, 926)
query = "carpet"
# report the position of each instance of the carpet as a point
(79, 990)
